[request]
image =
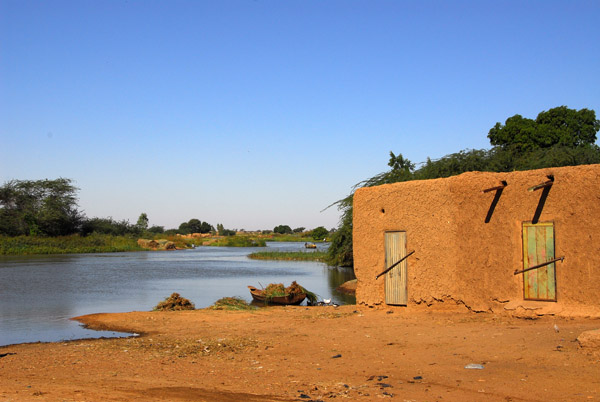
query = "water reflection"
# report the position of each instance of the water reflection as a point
(39, 294)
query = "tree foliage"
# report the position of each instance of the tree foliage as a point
(557, 137)
(558, 126)
(156, 229)
(195, 226)
(39, 207)
(109, 226)
(142, 222)
(282, 229)
(319, 233)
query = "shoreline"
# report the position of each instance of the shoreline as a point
(282, 353)
(75, 244)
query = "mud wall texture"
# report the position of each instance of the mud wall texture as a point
(466, 250)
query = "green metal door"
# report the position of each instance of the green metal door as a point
(538, 247)
(395, 280)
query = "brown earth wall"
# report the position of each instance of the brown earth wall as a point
(461, 260)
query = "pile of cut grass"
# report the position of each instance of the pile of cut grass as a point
(174, 303)
(231, 303)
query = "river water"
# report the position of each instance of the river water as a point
(39, 294)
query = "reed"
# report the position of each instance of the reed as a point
(288, 237)
(289, 255)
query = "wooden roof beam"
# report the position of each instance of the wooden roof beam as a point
(547, 183)
(500, 187)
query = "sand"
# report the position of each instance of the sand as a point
(310, 353)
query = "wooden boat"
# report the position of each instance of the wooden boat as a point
(290, 299)
(310, 245)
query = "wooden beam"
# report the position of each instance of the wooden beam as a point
(547, 183)
(543, 264)
(500, 187)
(394, 264)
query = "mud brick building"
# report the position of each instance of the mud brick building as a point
(483, 241)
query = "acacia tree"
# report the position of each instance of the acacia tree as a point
(39, 207)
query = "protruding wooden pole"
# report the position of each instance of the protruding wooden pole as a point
(500, 187)
(547, 183)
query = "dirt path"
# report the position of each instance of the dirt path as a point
(304, 354)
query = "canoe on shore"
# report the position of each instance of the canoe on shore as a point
(289, 299)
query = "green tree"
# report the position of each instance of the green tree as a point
(142, 222)
(402, 169)
(184, 228)
(39, 207)
(108, 226)
(299, 230)
(282, 229)
(156, 229)
(194, 225)
(558, 126)
(319, 233)
(206, 227)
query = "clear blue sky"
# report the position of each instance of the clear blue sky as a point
(260, 113)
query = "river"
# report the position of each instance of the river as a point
(39, 294)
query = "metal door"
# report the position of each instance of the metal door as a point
(538, 247)
(395, 280)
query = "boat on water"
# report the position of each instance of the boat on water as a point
(289, 299)
(310, 245)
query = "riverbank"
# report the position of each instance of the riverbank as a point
(74, 244)
(316, 353)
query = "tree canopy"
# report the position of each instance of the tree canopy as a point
(142, 222)
(195, 226)
(319, 233)
(39, 207)
(282, 229)
(558, 126)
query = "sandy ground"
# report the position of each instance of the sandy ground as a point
(310, 354)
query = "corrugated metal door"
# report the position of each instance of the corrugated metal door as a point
(538, 247)
(395, 280)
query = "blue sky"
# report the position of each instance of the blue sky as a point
(260, 113)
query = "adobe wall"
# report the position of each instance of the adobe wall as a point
(462, 260)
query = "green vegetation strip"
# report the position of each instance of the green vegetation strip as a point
(95, 243)
(239, 241)
(289, 255)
